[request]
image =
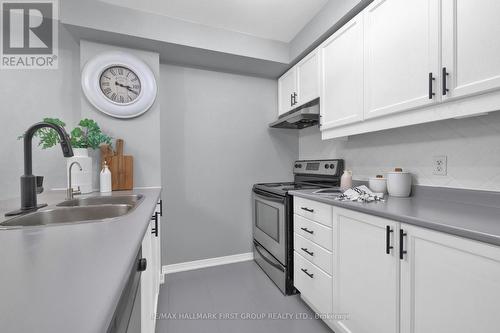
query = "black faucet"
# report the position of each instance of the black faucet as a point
(28, 180)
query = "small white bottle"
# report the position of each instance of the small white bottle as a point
(105, 179)
(346, 180)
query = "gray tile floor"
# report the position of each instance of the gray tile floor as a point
(241, 290)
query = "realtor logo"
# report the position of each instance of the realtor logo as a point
(29, 34)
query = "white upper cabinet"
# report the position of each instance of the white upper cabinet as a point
(308, 77)
(300, 84)
(366, 277)
(342, 75)
(401, 45)
(471, 46)
(448, 284)
(287, 87)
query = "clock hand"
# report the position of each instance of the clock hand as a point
(124, 86)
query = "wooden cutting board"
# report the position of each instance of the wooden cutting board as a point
(121, 166)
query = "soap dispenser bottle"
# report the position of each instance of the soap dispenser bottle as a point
(105, 179)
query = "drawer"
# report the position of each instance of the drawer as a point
(314, 285)
(315, 232)
(313, 253)
(313, 210)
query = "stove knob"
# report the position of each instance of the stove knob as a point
(296, 166)
(326, 166)
(300, 166)
(332, 166)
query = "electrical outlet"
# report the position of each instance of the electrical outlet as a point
(439, 165)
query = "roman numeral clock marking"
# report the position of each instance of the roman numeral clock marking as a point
(120, 85)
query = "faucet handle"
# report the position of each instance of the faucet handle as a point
(78, 191)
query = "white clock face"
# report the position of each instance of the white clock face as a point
(120, 85)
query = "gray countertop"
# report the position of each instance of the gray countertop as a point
(68, 278)
(466, 213)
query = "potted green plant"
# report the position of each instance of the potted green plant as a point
(86, 135)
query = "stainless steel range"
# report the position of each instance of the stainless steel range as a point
(273, 217)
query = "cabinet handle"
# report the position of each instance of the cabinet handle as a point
(402, 252)
(310, 210)
(308, 231)
(142, 264)
(161, 207)
(308, 274)
(154, 230)
(431, 81)
(291, 99)
(388, 246)
(294, 98)
(306, 251)
(444, 75)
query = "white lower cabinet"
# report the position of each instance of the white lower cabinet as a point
(150, 278)
(392, 277)
(448, 284)
(366, 284)
(314, 284)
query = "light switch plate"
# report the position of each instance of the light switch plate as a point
(439, 165)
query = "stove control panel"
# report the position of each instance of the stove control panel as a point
(319, 167)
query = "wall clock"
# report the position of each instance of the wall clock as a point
(119, 84)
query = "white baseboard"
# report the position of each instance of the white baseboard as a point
(197, 264)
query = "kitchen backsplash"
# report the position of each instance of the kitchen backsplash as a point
(472, 147)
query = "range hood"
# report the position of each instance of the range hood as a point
(304, 116)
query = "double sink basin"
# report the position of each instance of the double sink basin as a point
(89, 209)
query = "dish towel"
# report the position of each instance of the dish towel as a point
(360, 194)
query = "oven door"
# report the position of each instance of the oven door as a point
(269, 223)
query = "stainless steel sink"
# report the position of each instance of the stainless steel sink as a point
(131, 200)
(329, 191)
(68, 215)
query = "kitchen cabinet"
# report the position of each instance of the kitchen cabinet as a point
(300, 84)
(448, 283)
(150, 278)
(366, 276)
(401, 47)
(342, 75)
(470, 48)
(287, 86)
(313, 256)
(387, 276)
(308, 78)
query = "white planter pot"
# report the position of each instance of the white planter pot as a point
(82, 179)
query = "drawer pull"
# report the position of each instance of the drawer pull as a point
(306, 251)
(308, 274)
(308, 231)
(307, 209)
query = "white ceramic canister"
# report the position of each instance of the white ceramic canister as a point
(399, 183)
(346, 180)
(377, 184)
(81, 179)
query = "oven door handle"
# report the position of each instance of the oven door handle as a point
(267, 259)
(268, 196)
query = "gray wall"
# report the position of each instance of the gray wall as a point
(26, 97)
(215, 145)
(472, 146)
(141, 134)
(329, 19)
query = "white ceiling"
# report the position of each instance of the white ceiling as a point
(271, 19)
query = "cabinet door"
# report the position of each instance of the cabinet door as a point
(367, 277)
(286, 88)
(342, 71)
(147, 285)
(401, 51)
(471, 46)
(308, 78)
(448, 284)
